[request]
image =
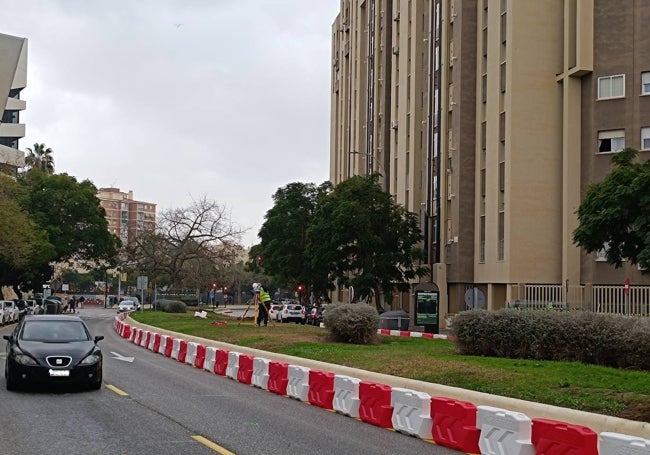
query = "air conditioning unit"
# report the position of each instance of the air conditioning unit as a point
(396, 16)
(394, 124)
(395, 50)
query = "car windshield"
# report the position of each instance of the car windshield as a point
(54, 331)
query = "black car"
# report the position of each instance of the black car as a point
(54, 349)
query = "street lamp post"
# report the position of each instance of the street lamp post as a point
(105, 287)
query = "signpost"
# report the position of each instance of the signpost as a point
(141, 284)
(427, 309)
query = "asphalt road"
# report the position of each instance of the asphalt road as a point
(150, 404)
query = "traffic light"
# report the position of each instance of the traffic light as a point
(225, 289)
(214, 285)
(300, 288)
(259, 260)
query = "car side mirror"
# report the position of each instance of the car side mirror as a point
(7, 337)
(99, 338)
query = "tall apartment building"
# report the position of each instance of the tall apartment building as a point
(489, 119)
(13, 79)
(126, 217)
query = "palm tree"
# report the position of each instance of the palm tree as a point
(40, 158)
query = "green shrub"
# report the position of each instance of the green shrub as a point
(607, 340)
(170, 306)
(351, 323)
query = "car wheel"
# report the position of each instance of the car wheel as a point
(10, 383)
(96, 385)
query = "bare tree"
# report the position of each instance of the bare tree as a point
(187, 238)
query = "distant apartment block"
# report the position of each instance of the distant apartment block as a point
(489, 119)
(126, 217)
(13, 79)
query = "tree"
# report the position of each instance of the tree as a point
(24, 249)
(365, 239)
(40, 157)
(183, 237)
(284, 237)
(615, 213)
(71, 214)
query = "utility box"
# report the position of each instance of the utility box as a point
(394, 320)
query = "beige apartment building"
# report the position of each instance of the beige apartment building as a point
(126, 217)
(489, 119)
(13, 79)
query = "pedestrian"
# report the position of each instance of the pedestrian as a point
(73, 304)
(264, 304)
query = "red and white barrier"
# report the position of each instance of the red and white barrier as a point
(190, 355)
(298, 386)
(454, 424)
(412, 412)
(199, 358)
(245, 370)
(221, 362)
(346, 395)
(260, 372)
(504, 432)
(155, 347)
(321, 389)
(176, 347)
(406, 333)
(210, 358)
(451, 423)
(278, 377)
(551, 436)
(375, 404)
(620, 444)
(169, 347)
(233, 365)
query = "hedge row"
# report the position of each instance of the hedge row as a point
(608, 340)
(170, 306)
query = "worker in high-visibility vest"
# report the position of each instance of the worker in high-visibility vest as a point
(264, 304)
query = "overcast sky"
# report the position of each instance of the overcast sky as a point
(180, 99)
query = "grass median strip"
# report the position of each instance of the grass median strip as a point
(573, 385)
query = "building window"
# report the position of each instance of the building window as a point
(645, 83)
(611, 86)
(645, 138)
(611, 141)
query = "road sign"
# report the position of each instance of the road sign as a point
(142, 283)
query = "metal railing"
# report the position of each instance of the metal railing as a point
(595, 298)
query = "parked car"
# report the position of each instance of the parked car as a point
(293, 312)
(10, 312)
(34, 306)
(274, 312)
(22, 308)
(126, 305)
(315, 316)
(55, 349)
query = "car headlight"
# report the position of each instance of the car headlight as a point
(24, 359)
(91, 359)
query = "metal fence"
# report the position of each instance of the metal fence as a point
(595, 298)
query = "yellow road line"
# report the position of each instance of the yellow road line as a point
(211, 445)
(120, 392)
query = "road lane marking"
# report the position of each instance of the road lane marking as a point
(120, 392)
(121, 357)
(211, 445)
